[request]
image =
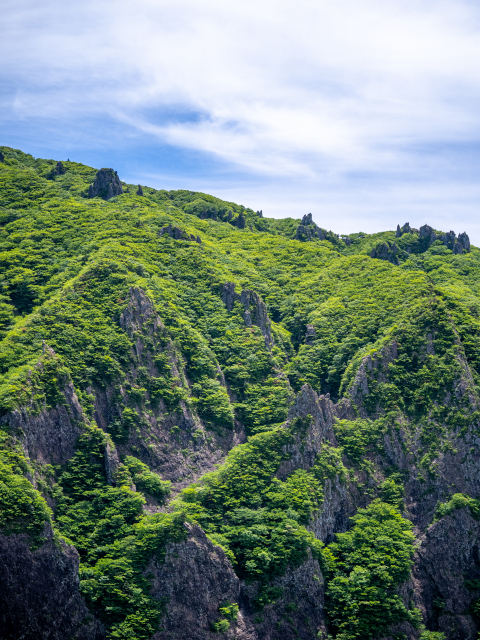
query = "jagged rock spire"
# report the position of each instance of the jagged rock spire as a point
(139, 190)
(241, 221)
(307, 219)
(106, 185)
(60, 169)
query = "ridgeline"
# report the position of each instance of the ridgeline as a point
(219, 425)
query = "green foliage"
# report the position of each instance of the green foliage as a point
(213, 403)
(355, 436)
(369, 561)
(431, 635)
(229, 613)
(255, 516)
(113, 536)
(458, 501)
(145, 480)
(69, 267)
(229, 610)
(392, 491)
(22, 508)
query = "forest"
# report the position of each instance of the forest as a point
(218, 425)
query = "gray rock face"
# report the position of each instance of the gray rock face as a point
(385, 251)
(307, 219)
(405, 229)
(39, 592)
(50, 436)
(161, 435)
(139, 191)
(2, 156)
(464, 240)
(447, 557)
(308, 230)
(310, 334)
(428, 236)
(178, 234)
(60, 169)
(106, 185)
(196, 579)
(255, 309)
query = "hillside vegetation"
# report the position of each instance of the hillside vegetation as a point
(170, 360)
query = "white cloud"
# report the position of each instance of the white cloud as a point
(309, 93)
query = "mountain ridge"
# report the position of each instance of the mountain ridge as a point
(237, 427)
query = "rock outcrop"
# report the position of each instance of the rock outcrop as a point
(139, 190)
(60, 169)
(386, 251)
(106, 185)
(308, 230)
(446, 575)
(178, 234)
(405, 229)
(241, 222)
(2, 156)
(255, 309)
(310, 334)
(427, 236)
(161, 435)
(39, 592)
(50, 435)
(195, 579)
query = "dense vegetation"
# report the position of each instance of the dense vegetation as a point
(69, 266)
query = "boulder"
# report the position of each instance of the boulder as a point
(106, 185)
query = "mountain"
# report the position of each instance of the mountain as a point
(219, 425)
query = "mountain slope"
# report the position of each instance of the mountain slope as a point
(196, 401)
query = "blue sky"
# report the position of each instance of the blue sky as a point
(363, 112)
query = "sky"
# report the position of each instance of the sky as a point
(363, 112)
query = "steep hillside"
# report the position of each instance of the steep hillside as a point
(219, 425)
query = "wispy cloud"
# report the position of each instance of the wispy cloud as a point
(359, 105)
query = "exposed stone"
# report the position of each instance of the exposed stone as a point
(112, 461)
(139, 190)
(255, 309)
(39, 592)
(428, 236)
(106, 185)
(448, 556)
(60, 169)
(195, 579)
(405, 229)
(241, 221)
(307, 219)
(162, 435)
(385, 251)
(2, 156)
(307, 230)
(464, 240)
(50, 436)
(310, 334)
(260, 213)
(178, 234)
